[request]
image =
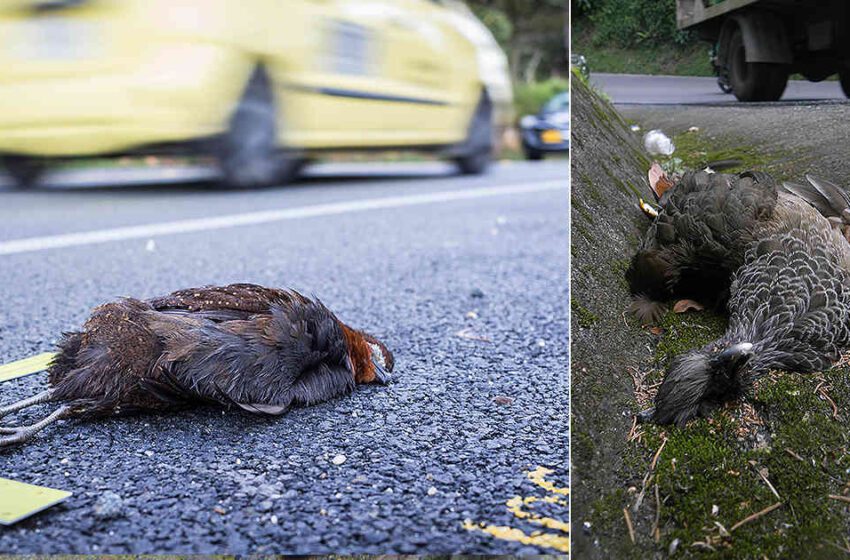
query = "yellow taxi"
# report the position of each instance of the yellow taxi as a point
(261, 85)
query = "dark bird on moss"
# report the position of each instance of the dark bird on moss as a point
(260, 349)
(788, 303)
(705, 226)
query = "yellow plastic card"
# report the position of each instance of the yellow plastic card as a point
(27, 366)
(19, 500)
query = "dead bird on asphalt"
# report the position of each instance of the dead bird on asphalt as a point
(261, 349)
(705, 226)
(789, 300)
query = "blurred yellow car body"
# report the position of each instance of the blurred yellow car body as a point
(104, 77)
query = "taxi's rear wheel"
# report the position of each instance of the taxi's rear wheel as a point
(24, 171)
(477, 149)
(249, 156)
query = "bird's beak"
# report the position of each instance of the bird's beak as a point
(381, 374)
(648, 209)
(645, 416)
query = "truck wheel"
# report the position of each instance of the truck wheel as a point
(249, 156)
(844, 78)
(477, 149)
(754, 81)
(25, 171)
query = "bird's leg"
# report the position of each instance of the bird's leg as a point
(21, 434)
(43, 397)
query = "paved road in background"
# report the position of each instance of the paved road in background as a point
(667, 90)
(464, 278)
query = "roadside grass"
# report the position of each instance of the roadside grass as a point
(658, 59)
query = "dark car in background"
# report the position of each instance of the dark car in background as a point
(548, 130)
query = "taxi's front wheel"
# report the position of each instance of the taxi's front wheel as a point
(24, 171)
(477, 149)
(249, 156)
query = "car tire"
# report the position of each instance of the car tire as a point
(477, 149)
(533, 155)
(24, 171)
(844, 78)
(754, 81)
(248, 155)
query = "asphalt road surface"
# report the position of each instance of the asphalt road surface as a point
(465, 278)
(668, 90)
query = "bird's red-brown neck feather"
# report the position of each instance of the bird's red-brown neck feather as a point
(360, 354)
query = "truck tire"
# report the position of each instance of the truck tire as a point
(248, 155)
(753, 81)
(844, 78)
(477, 149)
(24, 171)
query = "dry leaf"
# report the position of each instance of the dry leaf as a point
(684, 305)
(658, 180)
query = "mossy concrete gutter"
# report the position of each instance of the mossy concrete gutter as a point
(769, 477)
(607, 177)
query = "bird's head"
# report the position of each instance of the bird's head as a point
(698, 382)
(381, 360)
(369, 358)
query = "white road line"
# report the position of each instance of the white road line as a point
(32, 244)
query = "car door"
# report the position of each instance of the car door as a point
(428, 59)
(346, 77)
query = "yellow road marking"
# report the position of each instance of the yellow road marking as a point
(538, 477)
(548, 540)
(19, 500)
(27, 366)
(517, 506)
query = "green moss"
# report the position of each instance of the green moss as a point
(686, 331)
(698, 150)
(714, 464)
(582, 446)
(584, 316)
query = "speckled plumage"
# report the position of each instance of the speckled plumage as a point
(788, 297)
(706, 223)
(261, 349)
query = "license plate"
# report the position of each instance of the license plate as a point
(56, 38)
(551, 137)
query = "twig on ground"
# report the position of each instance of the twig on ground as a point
(791, 453)
(629, 524)
(656, 532)
(755, 516)
(822, 392)
(840, 498)
(766, 481)
(632, 431)
(657, 454)
(845, 549)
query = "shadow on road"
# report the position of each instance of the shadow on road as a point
(203, 180)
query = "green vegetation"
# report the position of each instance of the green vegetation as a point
(531, 34)
(636, 37)
(530, 97)
(696, 150)
(584, 316)
(714, 473)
